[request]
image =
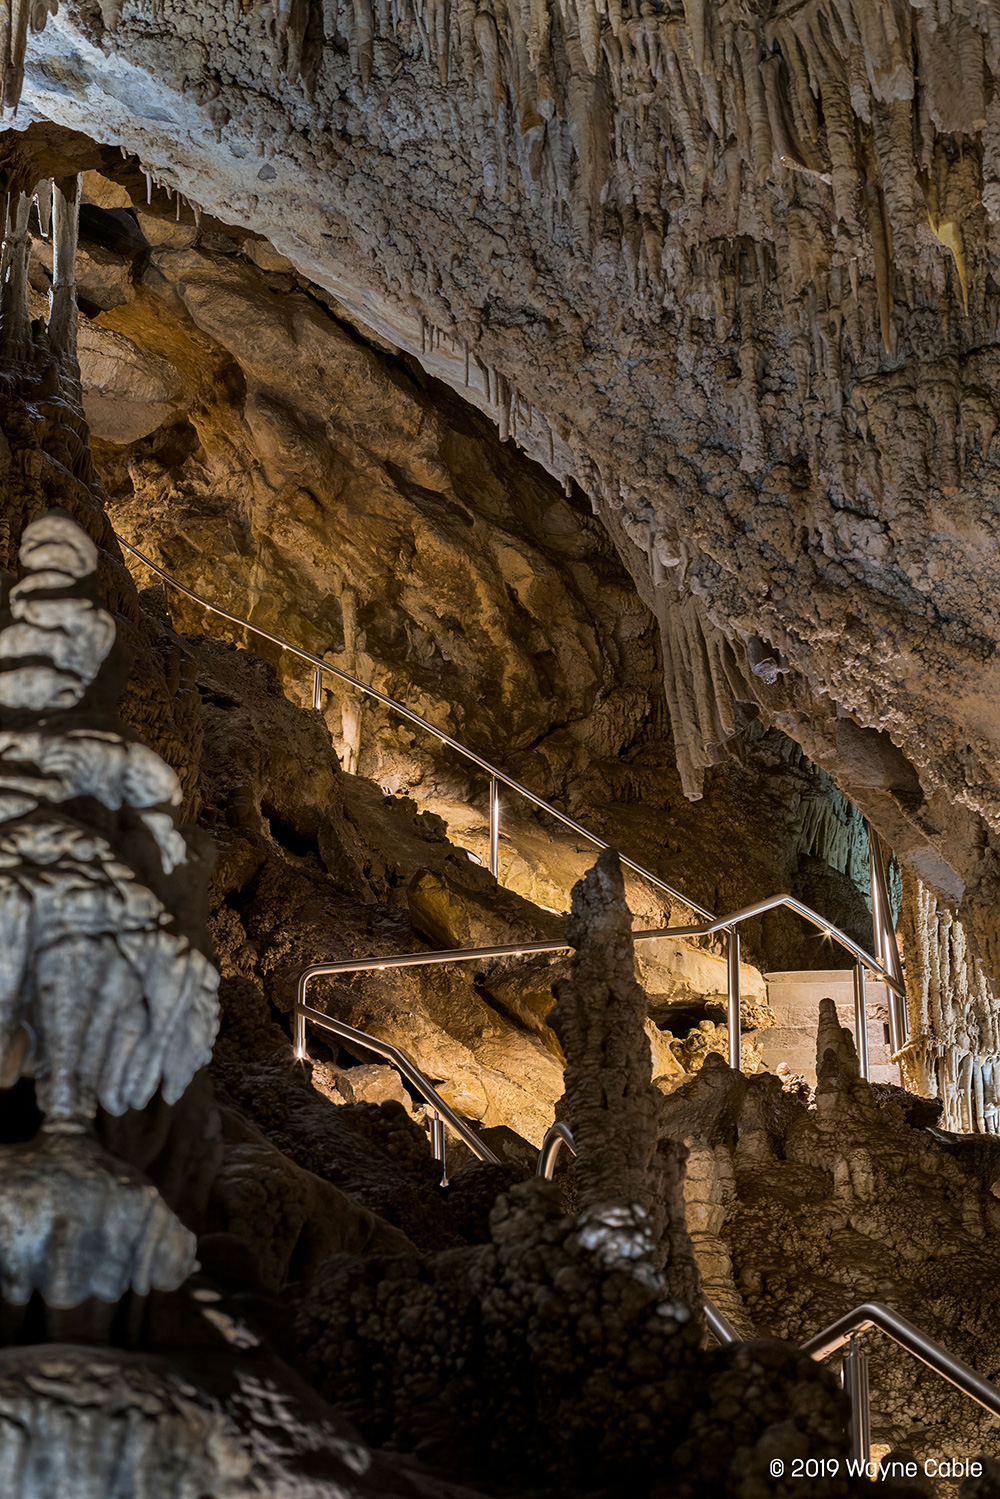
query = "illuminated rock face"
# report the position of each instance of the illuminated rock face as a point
(730, 270)
(103, 997)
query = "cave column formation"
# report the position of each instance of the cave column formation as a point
(65, 231)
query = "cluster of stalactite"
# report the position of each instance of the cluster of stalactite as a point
(715, 172)
(598, 105)
(594, 112)
(954, 1049)
(58, 208)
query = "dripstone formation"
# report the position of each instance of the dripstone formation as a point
(799, 1214)
(566, 1348)
(241, 1274)
(103, 998)
(731, 269)
(120, 1165)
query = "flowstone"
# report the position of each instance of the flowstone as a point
(104, 996)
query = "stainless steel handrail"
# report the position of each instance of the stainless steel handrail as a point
(914, 1340)
(499, 777)
(848, 1329)
(885, 937)
(399, 1060)
(719, 1323)
(523, 949)
(556, 1136)
(496, 775)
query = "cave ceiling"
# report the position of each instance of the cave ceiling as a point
(731, 269)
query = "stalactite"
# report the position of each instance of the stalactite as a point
(15, 336)
(363, 40)
(14, 18)
(63, 309)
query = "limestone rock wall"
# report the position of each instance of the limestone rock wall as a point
(190, 1389)
(732, 270)
(382, 525)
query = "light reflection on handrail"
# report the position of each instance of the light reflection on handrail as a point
(916, 1342)
(498, 777)
(919, 1344)
(421, 723)
(556, 1136)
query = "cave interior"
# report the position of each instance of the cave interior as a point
(499, 752)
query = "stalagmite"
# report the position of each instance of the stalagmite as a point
(954, 1014)
(599, 1018)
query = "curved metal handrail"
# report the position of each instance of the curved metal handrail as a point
(499, 777)
(556, 1136)
(303, 1012)
(408, 714)
(523, 949)
(902, 1331)
(919, 1344)
(916, 1342)
(399, 1060)
(869, 1314)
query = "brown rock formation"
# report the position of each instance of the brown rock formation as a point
(609, 1101)
(560, 1348)
(800, 1214)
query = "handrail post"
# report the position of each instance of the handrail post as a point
(861, 1018)
(318, 688)
(856, 1386)
(494, 827)
(438, 1145)
(409, 716)
(875, 891)
(733, 999)
(299, 1034)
